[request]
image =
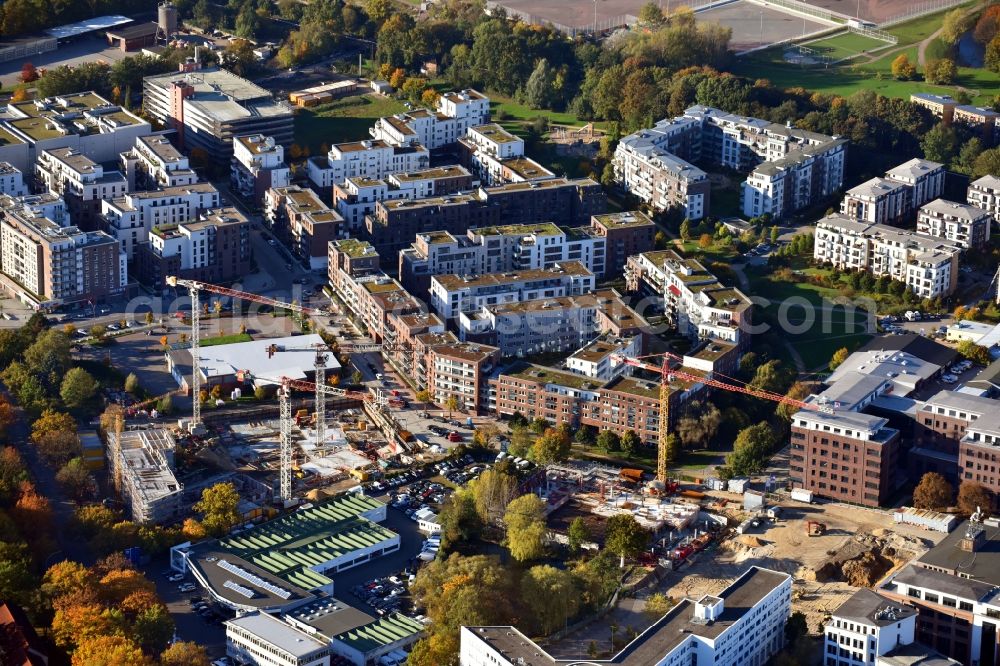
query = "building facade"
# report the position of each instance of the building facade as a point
(984, 193)
(258, 165)
(964, 225)
(304, 222)
(80, 181)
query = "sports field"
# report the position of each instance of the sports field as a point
(754, 25)
(844, 45)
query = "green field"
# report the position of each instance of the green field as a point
(226, 339)
(344, 120)
(520, 112)
(845, 45)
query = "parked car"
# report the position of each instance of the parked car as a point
(176, 578)
(454, 437)
(949, 379)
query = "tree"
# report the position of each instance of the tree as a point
(75, 624)
(902, 69)
(54, 434)
(577, 534)
(987, 163)
(795, 627)
(775, 234)
(972, 496)
(78, 388)
(976, 353)
(20, 94)
(686, 230)
(379, 10)
(193, 530)
(459, 520)
(493, 491)
(585, 434)
(12, 473)
(752, 447)
(413, 88)
(64, 578)
(838, 358)
(651, 15)
(98, 332)
(153, 629)
(673, 448)
(75, 478)
(955, 24)
(624, 536)
(941, 143)
(608, 441)
(424, 396)
(525, 522)
(538, 91)
(551, 595)
(28, 73)
(132, 384)
(992, 57)
(183, 653)
(552, 446)
(941, 71)
(705, 241)
(218, 505)
(657, 605)
(933, 492)
(630, 442)
(451, 402)
(165, 405)
(108, 650)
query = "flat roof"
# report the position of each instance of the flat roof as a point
(452, 282)
(495, 133)
(354, 248)
(983, 567)
(329, 616)
(629, 218)
(544, 375)
(279, 634)
(384, 631)
(88, 25)
(915, 654)
(873, 609)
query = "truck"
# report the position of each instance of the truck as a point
(802, 495)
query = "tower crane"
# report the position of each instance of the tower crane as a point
(194, 288)
(669, 373)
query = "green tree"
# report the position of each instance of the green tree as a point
(992, 57)
(218, 505)
(132, 384)
(941, 71)
(987, 163)
(657, 605)
(608, 441)
(775, 233)
(525, 523)
(940, 144)
(451, 402)
(460, 523)
(75, 478)
(975, 353)
(630, 442)
(955, 24)
(153, 629)
(795, 627)
(838, 358)
(551, 595)
(99, 332)
(751, 449)
(673, 446)
(493, 491)
(577, 534)
(538, 91)
(686, 230)
(78, 388)
(586, 435)
(379, 10)
(624, 536)
(651, 15)
(933, 492)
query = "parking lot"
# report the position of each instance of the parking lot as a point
(91, 48)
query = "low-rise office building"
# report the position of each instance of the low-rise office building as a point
(52, 265)
(743, 624)
(258, 165)
(964, 225)
(213, 248)
(927, 265)
(978, 118)
(264, 640)
(940, 106)
(208, 108)
(143, 461)
(299, 216)
(939, 426)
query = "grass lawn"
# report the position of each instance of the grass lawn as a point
(699, 459)
(343, 120)
(522, 113)
(845, 45)
(226, 339)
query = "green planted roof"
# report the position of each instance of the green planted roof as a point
(381, 632)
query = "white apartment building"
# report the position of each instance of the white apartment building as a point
(794, 181)
(865, 627)
(144, 461)
(492, 139)
(985, 193)
(263, 640)
(596, 358)
(903, 190)
(258, 164)
(47, 205)
(131, 217)
(159, 163)
(963, 224)
(451, 295)
(11, 180)
(83, 121)
(741, 626)
(80, 181)
(496, 157)
(928, 266)
(456, 112)
(695, 301)
(374, 159)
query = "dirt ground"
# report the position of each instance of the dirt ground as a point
(784, 546)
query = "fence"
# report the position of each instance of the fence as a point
(600, 25)
(874, 33)
(803, 8)
(920, 9)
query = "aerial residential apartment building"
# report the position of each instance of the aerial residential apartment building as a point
(453, 294)
(790, 169)
(459, 369)
(394, 224)
(356, 197)
(308, 225)
(953, 588)
(456, 112)
(742, 624)
(964, 225)
(208, 108)
(80, 181)
(693, 299)
(927, 265)
(258, 165)
(496, 156)
(158, 164)
(978, 453)
(627, 233)
(904, 189)
(873, 630)
(84, 121)
(373, 159)
(131, 217)
(214, 247)
(984, 193)
(52, 265)
(939, 426)
(11, 181)
(144, 461)
(940, 106)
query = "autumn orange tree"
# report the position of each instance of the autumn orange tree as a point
(109, 650)
(184, 654)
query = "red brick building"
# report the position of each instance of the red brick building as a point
(939, 424)
(627, 233)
